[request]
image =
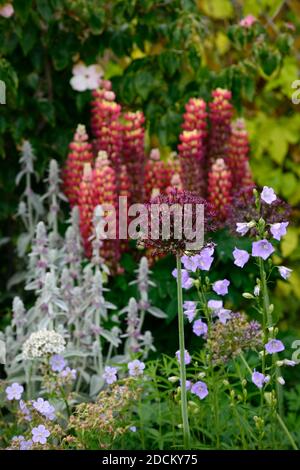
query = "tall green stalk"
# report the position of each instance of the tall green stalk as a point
(184, 408)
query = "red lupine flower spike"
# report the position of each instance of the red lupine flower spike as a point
(134, 152)
(219, 188)
(237, 159)
(157, 175)
(86, 207)
(192, 147)
(79, 154)
(220, 116)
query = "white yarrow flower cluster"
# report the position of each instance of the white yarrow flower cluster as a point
(42, 343)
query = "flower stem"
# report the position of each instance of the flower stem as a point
(184, 409)
(287, 432)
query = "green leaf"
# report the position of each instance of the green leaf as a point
(28, 38)
(45, 10)
(143, 83)
(169, 62)
(278, 145)
(22, 9)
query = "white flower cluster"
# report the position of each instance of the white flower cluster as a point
(42, 343)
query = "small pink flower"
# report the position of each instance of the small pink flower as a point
(7, 10)
(248, 21)
(86, 77)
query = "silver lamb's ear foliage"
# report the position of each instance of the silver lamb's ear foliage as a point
(70, 295)
(38, 259)
(53, 195)
(31, 208)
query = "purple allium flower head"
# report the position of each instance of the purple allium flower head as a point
(68, 372)
(182, 200)
(187, 357)
(242, 228)
(241, 257)
(274, 346)
(44, 407)
(190, 262)
(189, 307)
(14, 391)
(221, 287)
(136, 368)
(40, 434)
(268, 195)
(24, 410)
(215, 304)
(200, 389)
(262, 249)
(26, 445)
(110, 374)
(57, 363)
(187, 282)
(224, 315)
(284, 272)
(199, 328)
(259, 379)
(278, 230)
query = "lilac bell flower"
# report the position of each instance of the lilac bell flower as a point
(284, 272)
(278, 230)
(200, 328)
(215, 304)
(188, 385)
(189, 307)
(187, 357)
(200, 389)
(187, 282)
(241, 257)
(259, 379)
(224, 315)
(268, 195)
(274, 346)
(242, 228)
(262, 249)
(221, 287)
(190, 262)
(205, 259)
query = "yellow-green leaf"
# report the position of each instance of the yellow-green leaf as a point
(219, 9)
(290, 242)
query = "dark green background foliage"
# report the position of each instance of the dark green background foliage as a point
(158, 55)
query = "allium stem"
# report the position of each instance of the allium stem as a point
(184, 409)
